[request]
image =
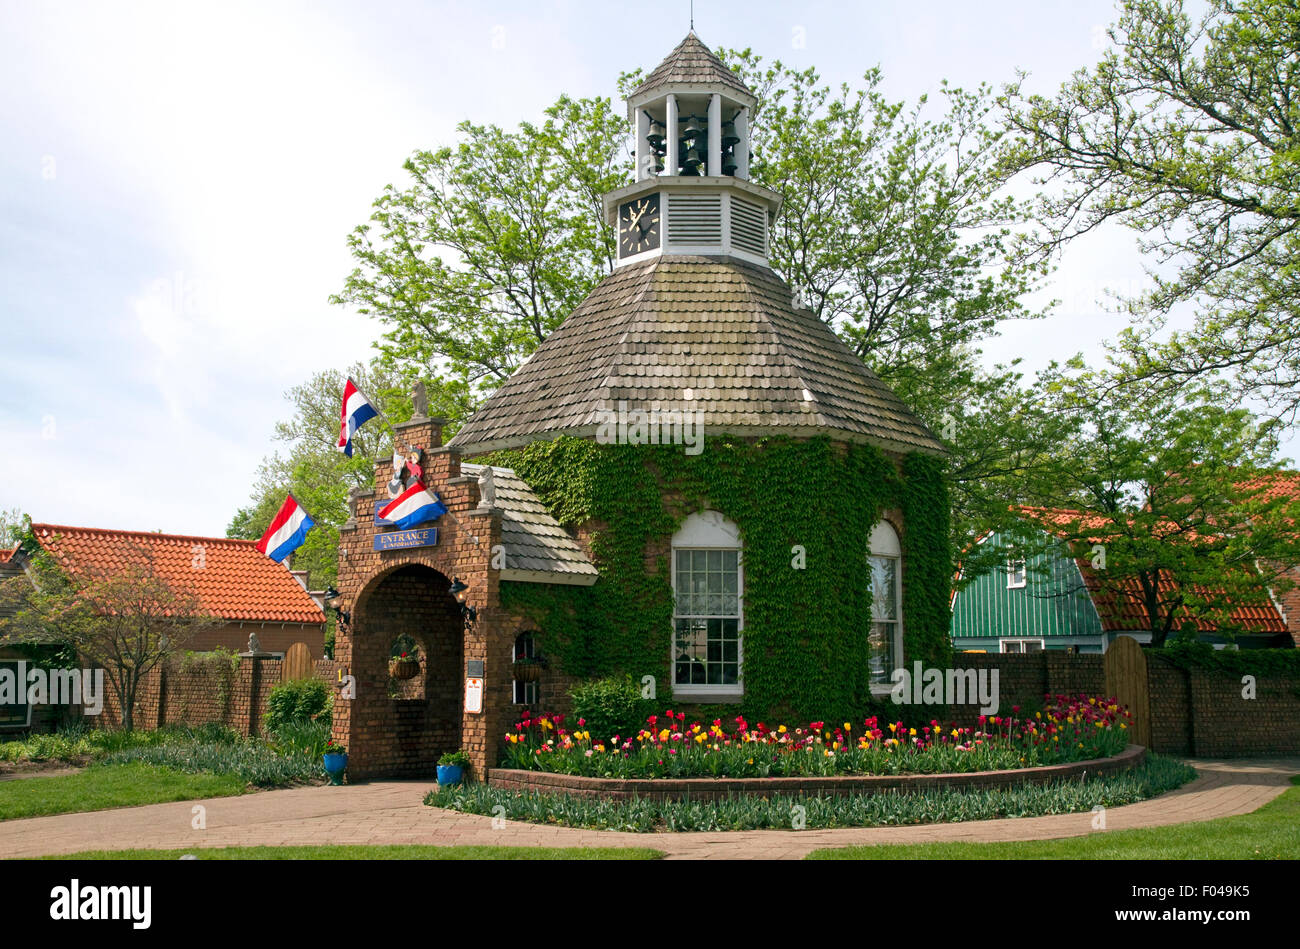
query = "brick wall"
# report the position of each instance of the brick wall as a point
(1193, 712)
(201, 692)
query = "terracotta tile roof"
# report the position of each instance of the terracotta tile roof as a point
(5, 555)
(1120, 605)
(537, 548)
(236, 582)
(691, 62)
(723, 329)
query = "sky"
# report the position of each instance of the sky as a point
(178, 180)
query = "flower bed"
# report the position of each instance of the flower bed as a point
(1069, 729)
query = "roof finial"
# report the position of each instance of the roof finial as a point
(692, 16)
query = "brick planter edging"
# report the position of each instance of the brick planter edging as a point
(706, 789)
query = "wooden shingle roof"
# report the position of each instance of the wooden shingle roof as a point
(688, 333)
(691, 62)
(537, 548)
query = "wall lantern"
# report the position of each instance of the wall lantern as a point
(334, 603)
(460, 590)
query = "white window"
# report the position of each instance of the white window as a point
(1021, 645)
(885, 640)
(1016, 575)
(708, 607)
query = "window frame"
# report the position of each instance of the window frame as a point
(518, 687)
(708, 531)
(1020, 641)
(1023, 573)
(876, 547)
(21, 687)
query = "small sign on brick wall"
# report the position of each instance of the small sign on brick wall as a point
(398, 540)
(474, 694)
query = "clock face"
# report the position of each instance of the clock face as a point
(639, 225)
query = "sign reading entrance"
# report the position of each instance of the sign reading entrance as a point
(397, 540)
(474, 694)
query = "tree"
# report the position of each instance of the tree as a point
(1165, 502)
(318, 474)
(891, 229)
(1188, 132)
(127, 620)
(13, 525)
(490, 247)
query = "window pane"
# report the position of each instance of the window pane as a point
(698, 561)
(1033, 646)
(706, 643)
(884, 588)
(715, 560)
(880, 646)
(729, 560)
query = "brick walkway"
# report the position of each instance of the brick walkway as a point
(392, 812)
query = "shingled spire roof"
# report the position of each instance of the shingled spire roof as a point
(690, 333)
(691, 62)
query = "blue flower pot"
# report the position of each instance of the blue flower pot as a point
(335, 765)
(450, 774)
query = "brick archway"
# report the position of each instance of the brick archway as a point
(388, 734)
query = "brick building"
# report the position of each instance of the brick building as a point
(691, 319)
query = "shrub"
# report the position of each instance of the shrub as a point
(299, 701)
(610, 706)
(455, 759)
(307, 739)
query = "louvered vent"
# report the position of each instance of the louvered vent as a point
(695, 219)
(748, 226)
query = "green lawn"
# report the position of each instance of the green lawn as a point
(360, 852)
(104, 786)
(1270, 833)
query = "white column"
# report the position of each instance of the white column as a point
(742, 147)
(715, 134)
(670, 120)
(644, 155)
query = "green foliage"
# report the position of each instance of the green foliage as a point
(1186, 132)
(296, 702)
(254, 762)
(891, 808)
(223, 663)
(805, 629)
(305, 738)
(1256, 662)
(455, 759)
(610, 706)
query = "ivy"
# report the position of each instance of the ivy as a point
(804, 628)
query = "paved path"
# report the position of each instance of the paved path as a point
(392, 812)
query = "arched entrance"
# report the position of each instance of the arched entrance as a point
(399, 727)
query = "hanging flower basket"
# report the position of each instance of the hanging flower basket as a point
(527, 670)
(404, 667)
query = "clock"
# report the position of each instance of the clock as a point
(639, 225)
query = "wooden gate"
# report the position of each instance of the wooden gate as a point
(297, 663)
(1126, 681)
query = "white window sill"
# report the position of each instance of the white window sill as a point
(710, 697)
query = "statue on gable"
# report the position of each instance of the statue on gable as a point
(487, 487)
(420, 399)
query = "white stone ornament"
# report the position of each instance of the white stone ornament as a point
(487, 488)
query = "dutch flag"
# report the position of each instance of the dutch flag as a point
(287, 531)
(413, 506)
(357, 411)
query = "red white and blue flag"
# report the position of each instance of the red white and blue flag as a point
(413, 506)
(357, 411)
(287, 531)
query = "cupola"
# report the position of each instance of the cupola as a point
(692, 193)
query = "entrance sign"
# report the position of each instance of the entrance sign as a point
(397, 540)
(474, 694)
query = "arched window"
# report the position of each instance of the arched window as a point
(708, 608)
(525, 681)
(885, 640)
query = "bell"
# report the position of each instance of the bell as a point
(656, 135)
(692, 161)
(692, 130)
(729, 164)
(729, 136)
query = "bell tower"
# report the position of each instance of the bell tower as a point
(692, 194)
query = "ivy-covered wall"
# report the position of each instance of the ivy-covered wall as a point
(805, 629)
